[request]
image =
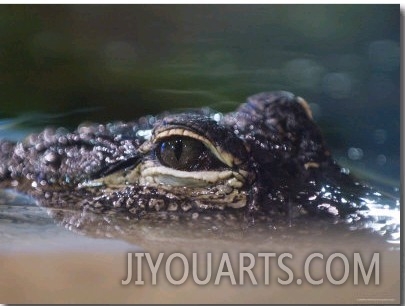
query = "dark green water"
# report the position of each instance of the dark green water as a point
(64, 64)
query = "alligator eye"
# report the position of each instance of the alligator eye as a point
(187, 154)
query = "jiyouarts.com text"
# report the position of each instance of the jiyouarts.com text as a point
(259, 268)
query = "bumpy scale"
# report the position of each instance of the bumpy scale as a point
(267, 157)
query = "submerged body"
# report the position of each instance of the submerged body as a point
(268, 158)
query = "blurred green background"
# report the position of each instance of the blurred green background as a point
(64, 64)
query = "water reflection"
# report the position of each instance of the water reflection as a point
(380, 223)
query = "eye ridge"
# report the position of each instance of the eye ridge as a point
(172, 152)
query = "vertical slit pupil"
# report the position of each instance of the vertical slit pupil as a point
(178, 148)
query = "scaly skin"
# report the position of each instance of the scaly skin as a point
(270, 146)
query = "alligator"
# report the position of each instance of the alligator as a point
(268, 157)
